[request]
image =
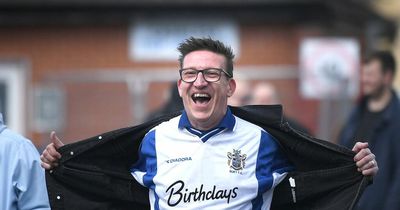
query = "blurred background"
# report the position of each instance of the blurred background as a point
(83, 67)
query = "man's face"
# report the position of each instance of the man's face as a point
(205, 102)
(373, 80)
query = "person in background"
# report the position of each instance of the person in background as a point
(376, 120)
(22, 182)
(265, 93)
(242, 94)
(173, 104)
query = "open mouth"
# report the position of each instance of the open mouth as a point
(201, 98)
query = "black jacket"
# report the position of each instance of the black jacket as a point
(94, 173)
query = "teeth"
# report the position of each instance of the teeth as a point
(201, 97)
(198, 95)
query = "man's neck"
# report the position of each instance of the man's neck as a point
(377, 104)
(212, 122)
(204, 126)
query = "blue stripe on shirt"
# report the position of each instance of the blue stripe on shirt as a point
(156, 203)
(147, 163)
(149, 150)
(270, 159)
(211, 133)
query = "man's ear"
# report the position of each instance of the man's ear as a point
(231, 87)
(178, 83)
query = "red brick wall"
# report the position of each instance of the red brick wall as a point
(279, 45)
(96, 108)
(268, 44)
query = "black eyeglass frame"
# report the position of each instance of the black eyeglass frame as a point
(203, 71)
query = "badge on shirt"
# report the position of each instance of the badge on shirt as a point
(236, 161)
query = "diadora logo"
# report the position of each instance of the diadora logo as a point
(181, 159)
(236, 161)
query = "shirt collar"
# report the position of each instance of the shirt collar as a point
(227, 122)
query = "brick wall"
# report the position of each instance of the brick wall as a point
(98, 107)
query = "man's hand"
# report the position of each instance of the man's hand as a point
(50, 156)
(365, 159)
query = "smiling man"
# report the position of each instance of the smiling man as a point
(204, 139)
(206, 157)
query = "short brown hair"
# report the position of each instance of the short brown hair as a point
(386, 59)
(193, 44)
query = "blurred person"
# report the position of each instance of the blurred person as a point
(266, 93)
(173, 104)
(242, 93)
(22, 181)
(375, 120)
(205, 158)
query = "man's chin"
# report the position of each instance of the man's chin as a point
(201, 116)
(366, 92)
(372, 95)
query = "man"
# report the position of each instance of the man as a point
(22, 182)
(266, 93)
(375, 120)
(206, 157)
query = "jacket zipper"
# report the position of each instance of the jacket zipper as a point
(292, 183)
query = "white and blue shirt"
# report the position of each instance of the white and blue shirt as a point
(236, 165)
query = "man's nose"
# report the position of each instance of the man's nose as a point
(200, 81)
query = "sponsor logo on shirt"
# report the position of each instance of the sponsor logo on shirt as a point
(177, 193)
(236, 161)
(181, 159)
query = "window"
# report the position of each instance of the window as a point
(13, 95)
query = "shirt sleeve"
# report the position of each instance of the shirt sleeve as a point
(145, 168)
(29, 180)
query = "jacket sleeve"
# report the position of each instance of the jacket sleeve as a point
(394, 191)
(94, 173)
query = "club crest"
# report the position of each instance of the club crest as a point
(236, 160)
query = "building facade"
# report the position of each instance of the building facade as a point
(86, 67)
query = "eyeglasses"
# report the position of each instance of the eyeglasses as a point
(210, 75)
